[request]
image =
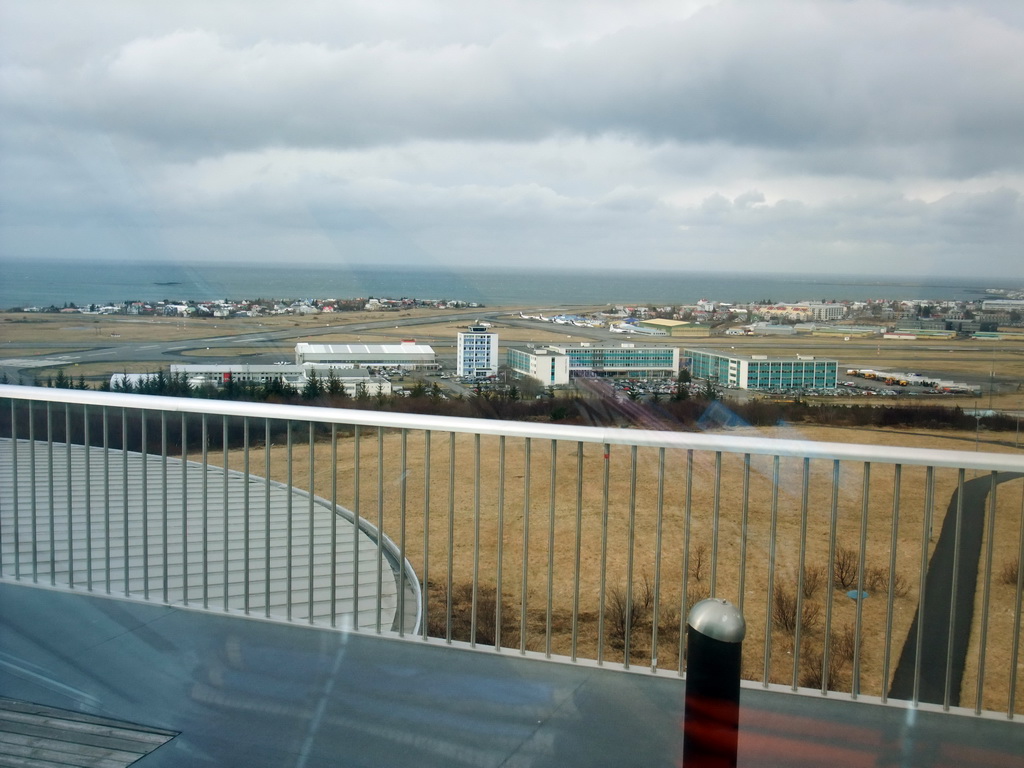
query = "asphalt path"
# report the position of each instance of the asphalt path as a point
(944, 618)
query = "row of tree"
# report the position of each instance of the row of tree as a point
(696, 409)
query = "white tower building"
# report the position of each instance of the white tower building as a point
(477, 353)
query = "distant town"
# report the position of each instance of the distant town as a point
(260, 307)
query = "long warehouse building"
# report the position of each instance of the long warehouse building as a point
(408, 354)
(292, 375)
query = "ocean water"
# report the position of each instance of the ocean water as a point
(45, 283)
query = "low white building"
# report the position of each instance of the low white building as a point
(286, 373)
(407, 354)
(1002, 305)
(219, 375)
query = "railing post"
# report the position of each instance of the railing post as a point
(714, 642)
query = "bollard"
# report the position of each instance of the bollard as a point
(714, 644)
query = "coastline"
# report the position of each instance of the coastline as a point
(31, 284)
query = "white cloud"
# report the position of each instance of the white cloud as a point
(576, 132)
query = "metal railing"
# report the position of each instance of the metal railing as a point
(863, 571)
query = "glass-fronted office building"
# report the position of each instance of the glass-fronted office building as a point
(760, 371)
(557, 363)
(549, 367)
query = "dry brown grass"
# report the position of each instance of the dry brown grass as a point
(504, 521)
(93, 330)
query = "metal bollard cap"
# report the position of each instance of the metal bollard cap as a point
(718, 619)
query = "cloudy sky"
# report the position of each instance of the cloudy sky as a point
(855, 136)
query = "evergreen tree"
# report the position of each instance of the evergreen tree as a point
(230, 390)
(312, 388)
(162, 381)
(270, 388)
(708, 391)
(335, 386)
(178, 386)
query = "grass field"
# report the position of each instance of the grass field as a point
(503, 523)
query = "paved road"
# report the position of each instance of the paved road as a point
(938, 611)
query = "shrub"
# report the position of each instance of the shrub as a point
(668, 625)
(695, 593)
(877, 580)
(812, 664)
(843, 643)
(813, 672)
(462, 614)
(1010, 572)
(621, 618)
(845, 568)
(698, 561)
(814, 577)
(784, 611)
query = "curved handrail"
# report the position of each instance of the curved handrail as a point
(612, 436)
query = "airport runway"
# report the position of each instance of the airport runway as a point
(106, 351)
